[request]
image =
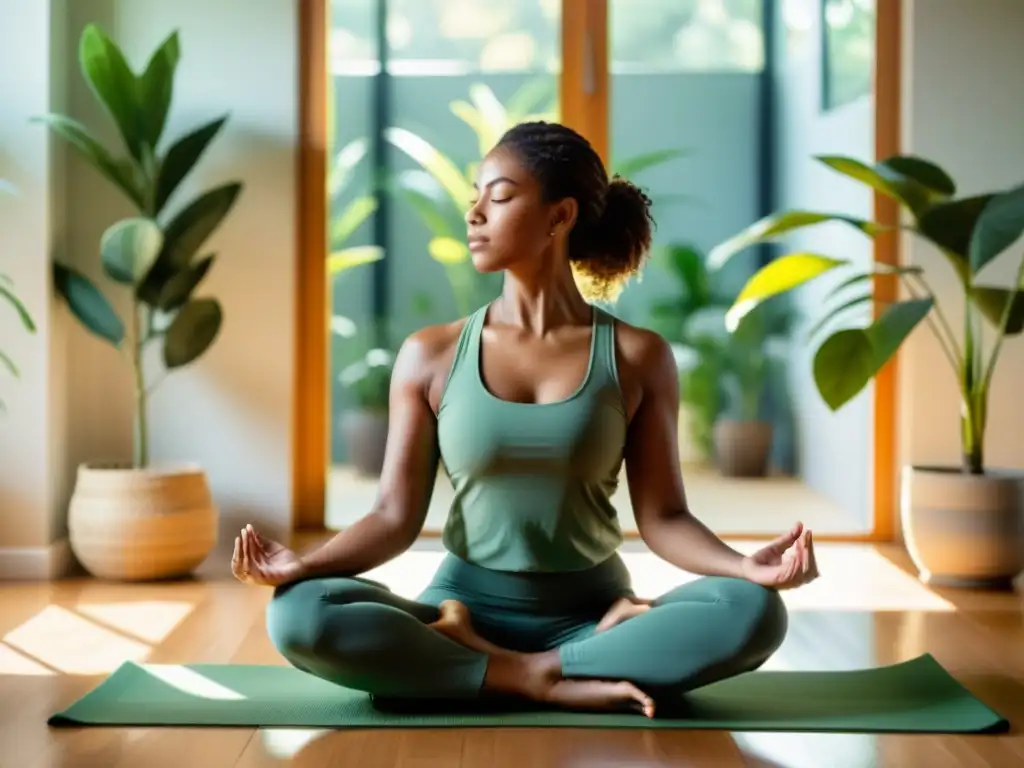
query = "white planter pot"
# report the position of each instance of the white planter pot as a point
(141, 524)
(963, 530)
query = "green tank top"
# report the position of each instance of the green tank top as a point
(533, 482)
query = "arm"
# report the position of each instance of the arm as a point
(409, 473)
(663, 517)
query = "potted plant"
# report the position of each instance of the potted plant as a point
(134, 520)
(9, 297)
(365, 425)
(962, 524)
(744, 359)
(724, 377)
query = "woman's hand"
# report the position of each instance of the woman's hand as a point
(263, 562)
(786, 563)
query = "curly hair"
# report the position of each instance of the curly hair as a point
(611, 238)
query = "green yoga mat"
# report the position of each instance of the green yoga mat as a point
(913, 696)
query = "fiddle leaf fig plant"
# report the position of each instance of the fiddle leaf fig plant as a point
(157, 256)
(969, 231)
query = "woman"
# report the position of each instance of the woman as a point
(533, 403)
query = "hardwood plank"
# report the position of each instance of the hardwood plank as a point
(835, 624)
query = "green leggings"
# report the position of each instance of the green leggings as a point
(357, 633)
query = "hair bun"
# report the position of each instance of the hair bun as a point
(621, 239)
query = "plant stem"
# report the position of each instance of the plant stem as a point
(952, 355)
(955, 354)
(141, 443)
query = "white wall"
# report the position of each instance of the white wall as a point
(834, 450)
(962, 109)
(32, 431)
(232, 410)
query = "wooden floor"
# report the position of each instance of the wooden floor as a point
(59, 640)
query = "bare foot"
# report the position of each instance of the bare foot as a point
(455, 624)
(600, 695)
(538, 676)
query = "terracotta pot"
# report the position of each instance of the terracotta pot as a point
(963, 530)
(141, 524)
(366, 437)
(742, 448)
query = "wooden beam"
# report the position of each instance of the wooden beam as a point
(584, 82)
(887, 80)
(310, 395)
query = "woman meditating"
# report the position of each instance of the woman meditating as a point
(534, 403)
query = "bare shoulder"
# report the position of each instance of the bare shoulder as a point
(645, 361)
(426, 356)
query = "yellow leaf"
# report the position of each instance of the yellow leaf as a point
(339, 261)
(448, 250)
(783, 274)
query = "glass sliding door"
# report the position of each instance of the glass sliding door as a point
(715, 108)
(423, 90)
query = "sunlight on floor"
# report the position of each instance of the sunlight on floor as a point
(148, 620)
(805, 750)
(853, 578)
(91, 639)
(286, 743)
(14, 663)
(72, 644)
(191, 682)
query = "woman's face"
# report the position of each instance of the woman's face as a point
(508, 222)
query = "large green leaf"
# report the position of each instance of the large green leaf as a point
(992, 303)
(999, 225)
(88, 304)
(114, 85)
(687, 263)
(347, 258)
(778, 276)
(444, 171)
(190, 228)
(178, 289)
(181, 158)
(192, 332)
(895, 324)
(156, 88)
(924, 172)
(850, 358)
(843, 364)
(950, 225)
(119, 172)
(777, 224)
(889, 181)
(432, 213)
(351, 218)
(129, 248)
(23, 314)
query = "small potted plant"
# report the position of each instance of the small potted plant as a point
(136, 520)
(962, 524)
(364, 426)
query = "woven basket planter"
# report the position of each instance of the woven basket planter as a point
(131, 524)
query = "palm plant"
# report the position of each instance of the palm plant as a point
(969, 231)
(441, 191)
(8, 296)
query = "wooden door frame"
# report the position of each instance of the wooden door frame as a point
(584, 91)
